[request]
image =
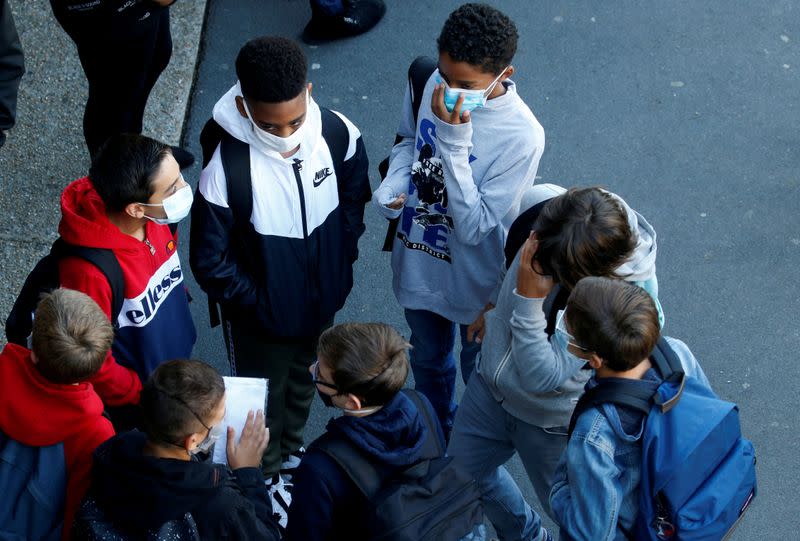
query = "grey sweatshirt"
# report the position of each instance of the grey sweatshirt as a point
(536, 381)
(464, 184)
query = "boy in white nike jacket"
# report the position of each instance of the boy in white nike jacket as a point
(275, 228)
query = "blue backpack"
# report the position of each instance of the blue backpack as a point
(698, 472)
(33, 482)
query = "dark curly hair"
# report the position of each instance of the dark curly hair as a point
(480, 35)
(271, 69)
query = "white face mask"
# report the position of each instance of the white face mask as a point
(275, 143)
(176, 206)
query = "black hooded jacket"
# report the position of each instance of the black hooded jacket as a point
(141, 492)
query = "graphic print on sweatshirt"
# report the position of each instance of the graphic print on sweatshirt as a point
(141, 310)
(425, 224)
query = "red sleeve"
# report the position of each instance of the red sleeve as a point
(78, 452)
(116, 384)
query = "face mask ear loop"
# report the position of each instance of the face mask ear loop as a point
(491, 87)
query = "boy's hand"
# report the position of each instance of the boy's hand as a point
(398, 203)
(531, 282)
(477, 328)
(255, 438)
(440, 110)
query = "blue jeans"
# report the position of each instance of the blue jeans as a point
(484, 437)
(433, 363)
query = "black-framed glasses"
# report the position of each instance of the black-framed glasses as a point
(315, 378)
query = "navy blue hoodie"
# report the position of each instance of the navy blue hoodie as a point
(326, 504)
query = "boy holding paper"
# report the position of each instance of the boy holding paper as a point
(148, 482)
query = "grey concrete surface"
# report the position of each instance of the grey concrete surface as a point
(689, 110)
(46, 151)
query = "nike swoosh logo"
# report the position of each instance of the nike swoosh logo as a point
(320, 181)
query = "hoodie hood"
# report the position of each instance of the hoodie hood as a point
(37, 412)
(84, 221)
(394, 435)
(641, 266)
(228, 117)
(145, 490)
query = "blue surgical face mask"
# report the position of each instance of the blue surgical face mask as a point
(563, 339)
(472, 98)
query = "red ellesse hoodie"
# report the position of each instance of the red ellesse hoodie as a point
(155, 324)
(38, 413)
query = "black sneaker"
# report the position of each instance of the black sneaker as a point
(184, 158)
(358, 17)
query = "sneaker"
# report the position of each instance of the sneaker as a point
(291, 463)
(280, 494)
(358, 17)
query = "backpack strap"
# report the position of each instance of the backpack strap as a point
(669, 366)
(336, 136)
(235, 157)
(520, 230)
(105, 260)
(419, 72)
(432, 448)
(664, 360)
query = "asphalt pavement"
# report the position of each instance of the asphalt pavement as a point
(688, 110)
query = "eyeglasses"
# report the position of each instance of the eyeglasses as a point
(315, 378)
(566, 337)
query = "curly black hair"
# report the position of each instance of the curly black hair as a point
(480, 35)
(271, 69)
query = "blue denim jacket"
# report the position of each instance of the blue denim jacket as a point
(596, 490)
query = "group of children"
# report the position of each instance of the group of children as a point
(550, 291)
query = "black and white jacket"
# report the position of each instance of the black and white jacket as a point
(293, 269)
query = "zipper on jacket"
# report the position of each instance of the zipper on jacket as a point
(297, 166)
(500, 367)
(312, 288)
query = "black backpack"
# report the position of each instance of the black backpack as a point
(44, 278)
(92, 524)
(517, 235)
(432, 500)
(419, 72)
(235, 157)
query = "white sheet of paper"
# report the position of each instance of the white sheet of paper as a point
(241, 396)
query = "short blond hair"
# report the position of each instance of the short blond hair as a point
(71, 336)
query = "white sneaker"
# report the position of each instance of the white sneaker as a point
(291, 463)
(280, 495)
